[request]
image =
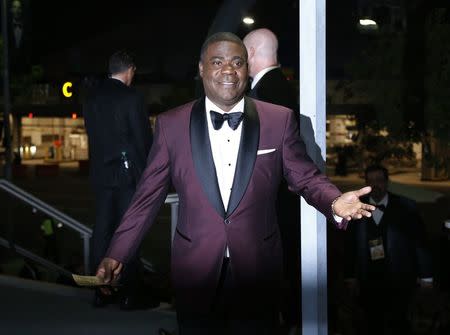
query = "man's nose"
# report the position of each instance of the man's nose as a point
(228, 68)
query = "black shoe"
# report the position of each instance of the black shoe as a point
(101, 300)
(130, 302)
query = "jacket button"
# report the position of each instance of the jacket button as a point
(227, 221)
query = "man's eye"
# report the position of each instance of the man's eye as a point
(216, 62)
(238, 63)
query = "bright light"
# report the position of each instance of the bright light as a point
(248, 20)
(74, 116)
(32, 150)
(367, 22)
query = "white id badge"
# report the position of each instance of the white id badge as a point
(376, 249)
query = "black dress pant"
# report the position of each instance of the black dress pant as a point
(111, 205)
(222, 319)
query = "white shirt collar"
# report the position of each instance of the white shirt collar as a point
(383, 201)
(117, 78)
(260, 74)
(209, 105)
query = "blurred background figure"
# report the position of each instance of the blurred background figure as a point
(51, 250)
(268, 82)
(386, 256)
(120, 138)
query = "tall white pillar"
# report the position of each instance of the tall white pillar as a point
(313, 223)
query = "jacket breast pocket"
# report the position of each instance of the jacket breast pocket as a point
(268, 157)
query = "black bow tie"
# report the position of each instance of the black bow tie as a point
(381, 207)
(233, 119)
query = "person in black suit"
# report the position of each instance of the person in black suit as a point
(270, 85)
(386, 254)
(120, 138)
(268, 82)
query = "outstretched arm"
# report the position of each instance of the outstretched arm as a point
(348, 205)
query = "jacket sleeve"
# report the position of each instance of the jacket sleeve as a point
(303, 176)
(147, 200)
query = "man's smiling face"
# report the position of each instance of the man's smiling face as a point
(224, 73)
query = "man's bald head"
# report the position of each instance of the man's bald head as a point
(262, 47)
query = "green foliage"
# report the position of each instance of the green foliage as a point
(378, 148)
(377, 72)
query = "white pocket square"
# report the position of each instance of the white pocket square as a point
(265, 151)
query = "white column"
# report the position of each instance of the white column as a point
(313, 223)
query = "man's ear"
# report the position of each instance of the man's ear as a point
(251, 52)
(200, 69)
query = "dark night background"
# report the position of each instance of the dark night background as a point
(166, 29)
(387, 90)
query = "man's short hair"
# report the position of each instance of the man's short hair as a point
(221, 37)
(377, 167)
(120, 61)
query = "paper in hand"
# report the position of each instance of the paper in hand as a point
(92, 281)
(87, 280)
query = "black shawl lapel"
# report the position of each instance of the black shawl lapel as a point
(246, 156)
(202, 156)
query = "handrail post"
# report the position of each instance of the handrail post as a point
(173, 219)
(86, 252)
(173, 200)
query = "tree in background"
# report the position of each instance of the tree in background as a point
(406, 78)
(437, 92)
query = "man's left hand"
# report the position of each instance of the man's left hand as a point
(349, 207)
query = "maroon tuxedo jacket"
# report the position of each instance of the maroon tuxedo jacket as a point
(181, 154)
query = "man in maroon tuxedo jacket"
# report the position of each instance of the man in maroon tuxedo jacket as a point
(226, 256)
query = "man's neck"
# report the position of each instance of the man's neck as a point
(210, 105)
(120, 78)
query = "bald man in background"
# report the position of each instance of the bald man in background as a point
(268, 81)
(270, 85)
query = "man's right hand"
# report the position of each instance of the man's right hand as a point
(109, 270)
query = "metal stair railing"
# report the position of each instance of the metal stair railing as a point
(38, 259)
(70, 222)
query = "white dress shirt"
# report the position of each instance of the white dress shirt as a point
(225, 147)
(377, 214)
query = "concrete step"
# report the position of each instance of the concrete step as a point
(32, 307)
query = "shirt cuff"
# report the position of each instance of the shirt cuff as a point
(338, 219)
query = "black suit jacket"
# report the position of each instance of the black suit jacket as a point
(405, 248)
(116, 121)
(273, 87)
